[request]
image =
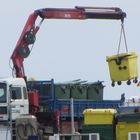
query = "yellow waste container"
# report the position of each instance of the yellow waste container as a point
(98, 116)
(125, 130)
(128, 126)
(123, 67)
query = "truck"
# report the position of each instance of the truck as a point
(15, 98)
(13, 95)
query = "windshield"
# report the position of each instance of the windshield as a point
(2, 92)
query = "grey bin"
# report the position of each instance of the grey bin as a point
(62, 91)
(95, 91)
(79, 92)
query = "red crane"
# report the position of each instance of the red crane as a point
(28, 35)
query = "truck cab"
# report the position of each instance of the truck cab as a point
(13, 98)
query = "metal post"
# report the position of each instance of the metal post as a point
(10, 111)
(72, 116)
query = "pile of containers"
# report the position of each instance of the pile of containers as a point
(100, 121)
(79, 90)
(112, 125)
(57, 96)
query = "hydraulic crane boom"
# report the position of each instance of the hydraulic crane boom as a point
(28, 34)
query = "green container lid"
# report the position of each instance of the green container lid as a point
(128, 117)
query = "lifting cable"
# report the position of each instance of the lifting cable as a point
(122, 32)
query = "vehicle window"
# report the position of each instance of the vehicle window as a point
(24, 93)
(2, 92)
(16, 93)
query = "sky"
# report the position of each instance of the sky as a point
(66, 50)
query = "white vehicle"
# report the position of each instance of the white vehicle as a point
(13, 98)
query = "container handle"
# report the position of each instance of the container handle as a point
(120, 58)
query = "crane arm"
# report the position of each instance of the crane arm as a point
(28, 34)
(82, 13)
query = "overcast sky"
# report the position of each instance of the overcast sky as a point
(71, 49)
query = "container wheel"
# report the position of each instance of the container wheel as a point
(128, 82)
(135, 80)
(119, 82)
(113, 84)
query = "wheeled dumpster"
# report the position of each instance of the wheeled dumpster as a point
(123, 67)
(128, 126)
